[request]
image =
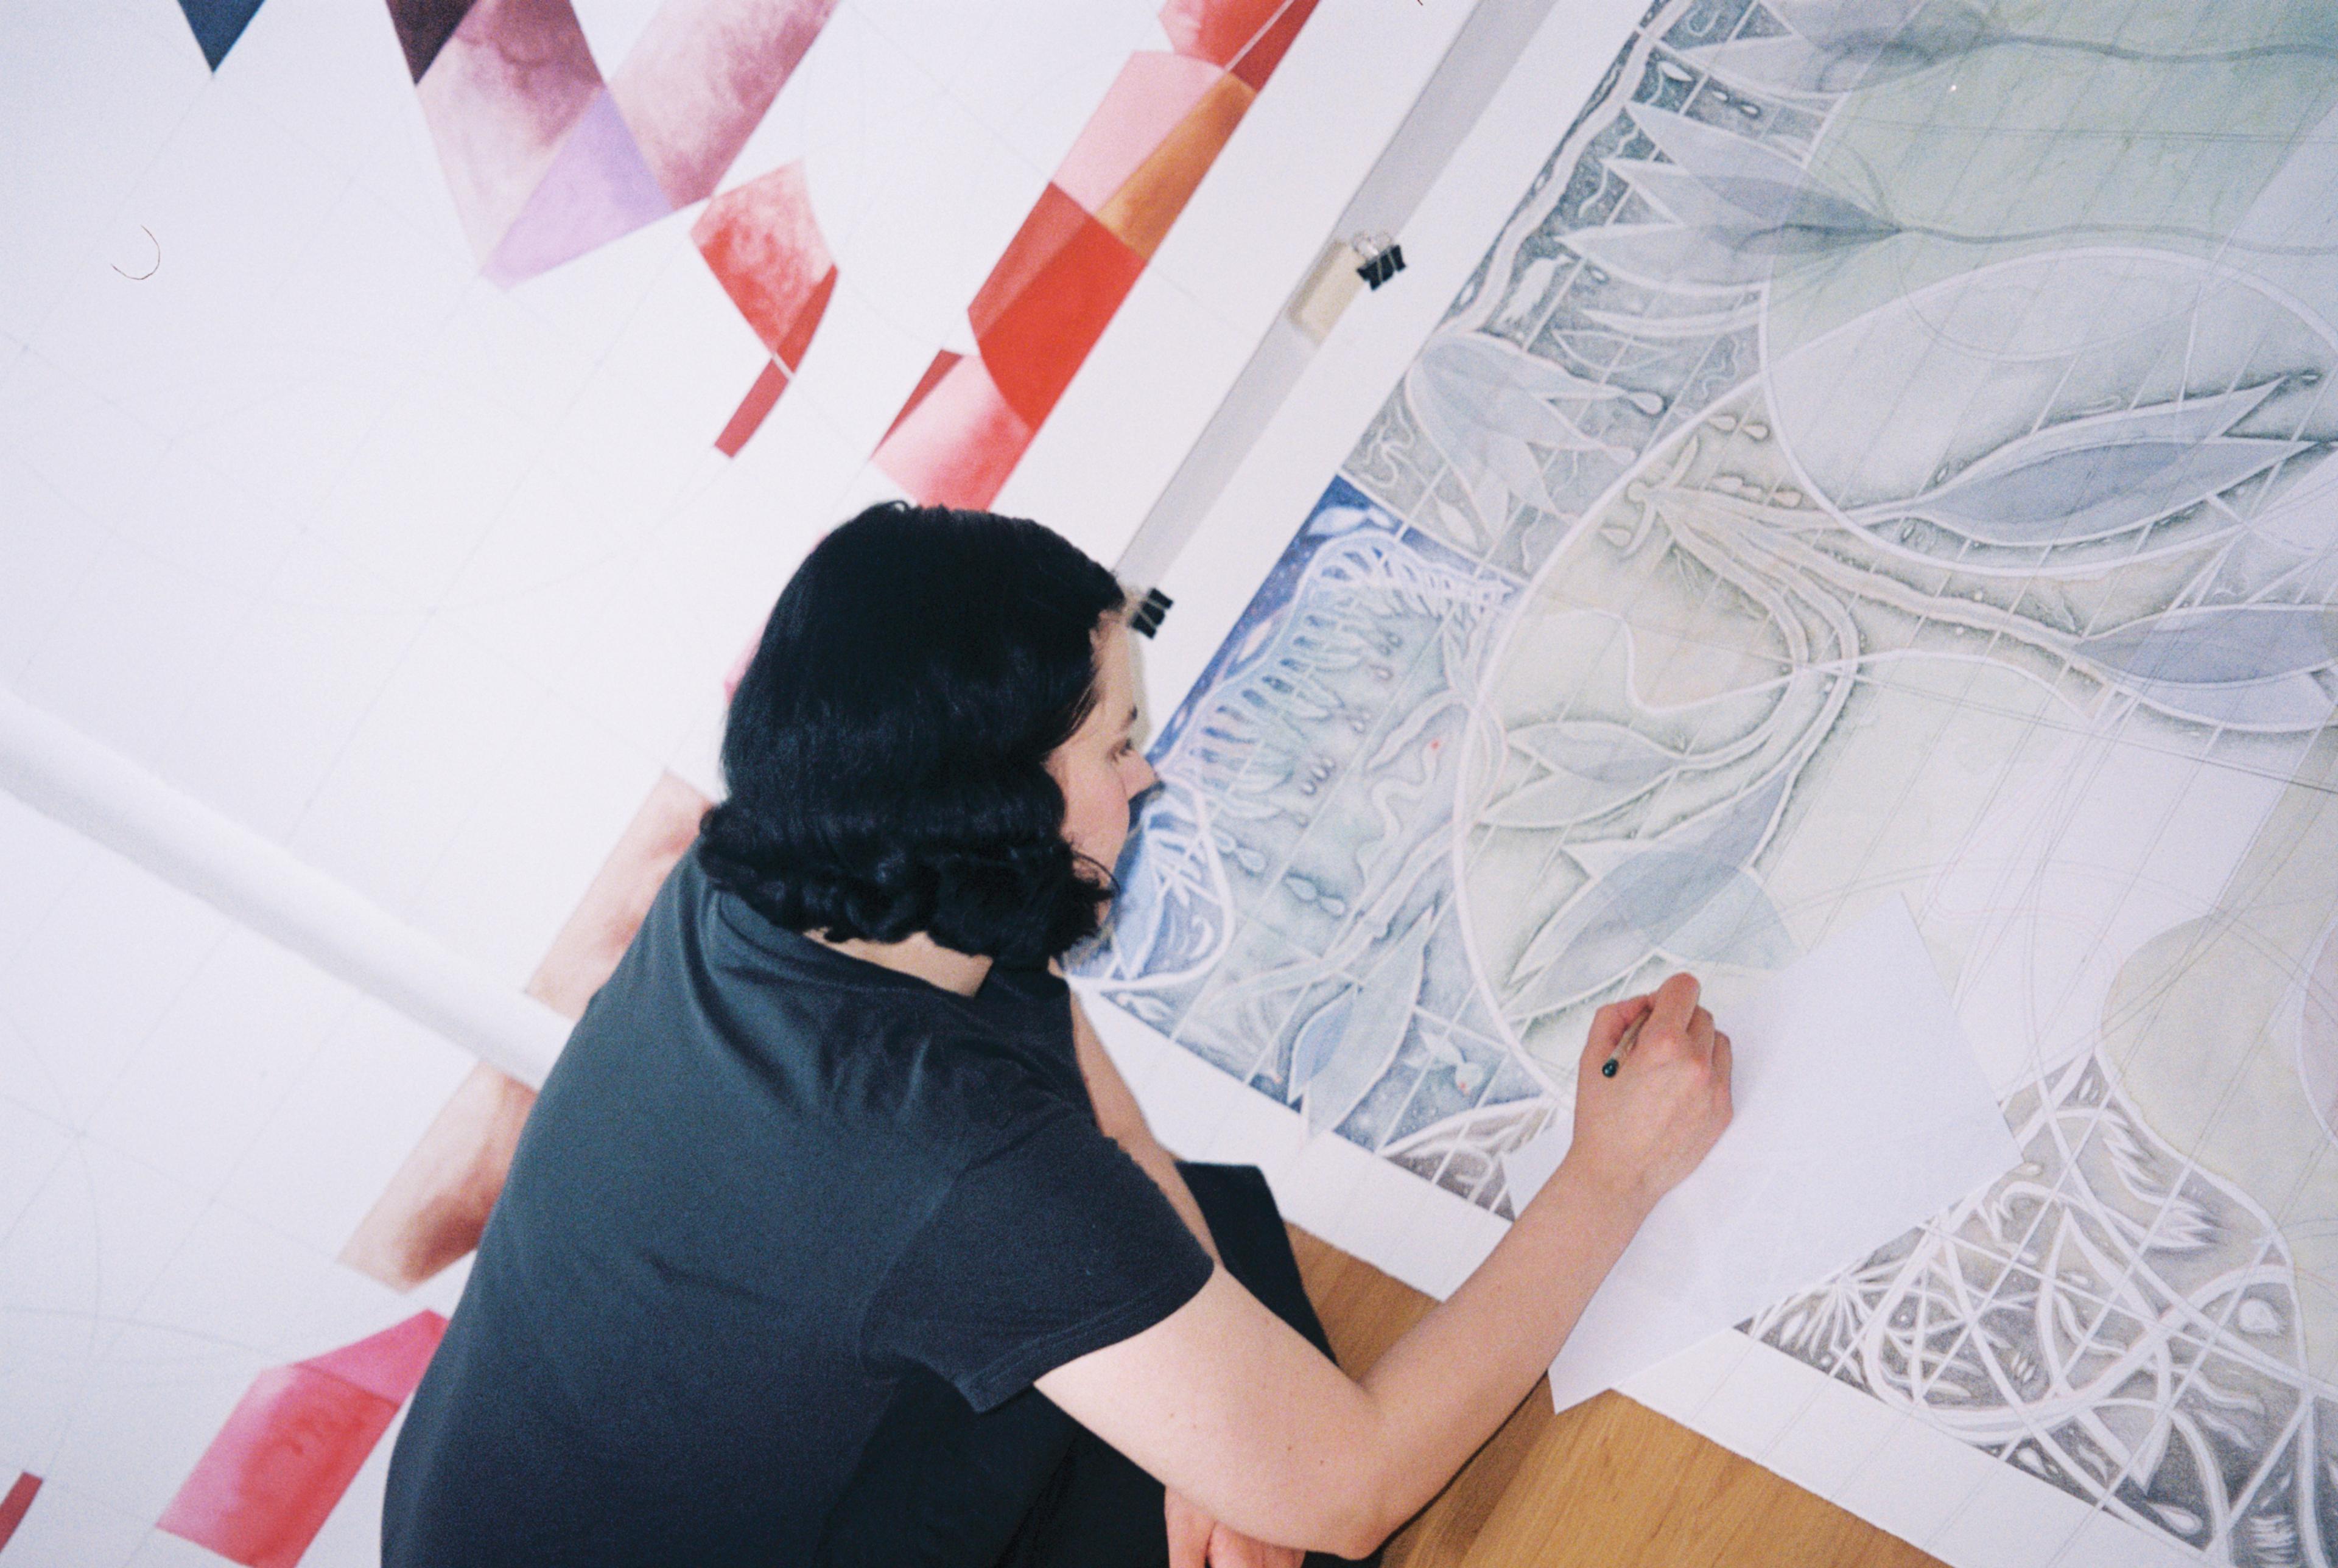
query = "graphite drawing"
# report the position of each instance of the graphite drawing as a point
(1886, 452)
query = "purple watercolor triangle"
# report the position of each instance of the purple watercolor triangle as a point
(597, 190)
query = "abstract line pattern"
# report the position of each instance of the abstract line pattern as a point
(1100, 220)
(1886, 452)
(2107, 1322)
(293, 1443)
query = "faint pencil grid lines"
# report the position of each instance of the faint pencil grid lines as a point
(2148, 535)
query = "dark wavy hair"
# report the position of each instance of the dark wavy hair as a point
(885, 750)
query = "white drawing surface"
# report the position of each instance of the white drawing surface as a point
(1885, 454)
(1858, 1111)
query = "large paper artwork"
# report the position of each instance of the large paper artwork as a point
(1886, 452)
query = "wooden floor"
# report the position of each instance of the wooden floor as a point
(1608, 1484)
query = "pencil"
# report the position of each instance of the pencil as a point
(1631, 1037)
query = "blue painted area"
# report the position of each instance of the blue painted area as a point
(217, 24)
(1341, 508)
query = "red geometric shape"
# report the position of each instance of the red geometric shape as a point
(759, 400)
(1152, 94)
(597, 190)
(700, 78)
(423, 28)
(1259, 61)
(389, 1365)
(17, 1503)
(295, 1439)
(956, 444)
(499, 98)
(1219, 31)
(1046, 302)
(926, 383)
(763, 245)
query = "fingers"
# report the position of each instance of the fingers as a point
(1674, 1003)
(1723, 1058)
(1189, 1533)
(1608, 1026)
(1233, 1549)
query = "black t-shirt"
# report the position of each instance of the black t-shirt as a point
(766, 1185)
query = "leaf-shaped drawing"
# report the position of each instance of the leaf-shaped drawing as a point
(2250, 665)
(1639, 903)
(1518, 382)
(1741, 196)
(1737, 925)
(1595, 749)
(1837, 46)
(1595, 766)
(1660, 327)
(1669, 257)
(1339, 1073)
(2095, 477)
(1319, 1039)
(2305, 517)
(1485, 405)
(1765, 216)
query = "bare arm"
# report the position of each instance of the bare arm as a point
(1225, 1403)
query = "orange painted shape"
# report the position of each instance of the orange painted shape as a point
(956, 446)
(1219, 31)
(764, 246)
(1152, 94)
(1259, 61)
(1047, 301)
(1141, 211)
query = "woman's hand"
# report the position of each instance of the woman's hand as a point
(1198, 1541)
(1642, 1131)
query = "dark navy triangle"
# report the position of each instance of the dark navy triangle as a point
(217, 24)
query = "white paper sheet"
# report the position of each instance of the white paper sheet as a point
(1860, 1112)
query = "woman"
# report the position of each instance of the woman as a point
(836, 1238)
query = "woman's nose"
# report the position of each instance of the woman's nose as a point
(1138, 774)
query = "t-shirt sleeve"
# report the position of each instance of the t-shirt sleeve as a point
(1053, 1246)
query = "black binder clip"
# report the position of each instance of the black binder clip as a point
(1383, 258)
(1146, 617)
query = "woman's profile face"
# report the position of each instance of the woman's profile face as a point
(1099, 770)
